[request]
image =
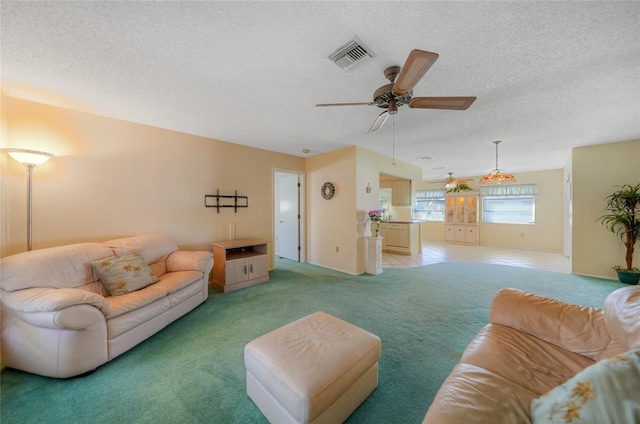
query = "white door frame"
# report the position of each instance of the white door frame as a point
(301, 206)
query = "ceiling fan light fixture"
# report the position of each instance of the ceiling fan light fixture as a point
(497, 176)
(451, 185)
(379, 122)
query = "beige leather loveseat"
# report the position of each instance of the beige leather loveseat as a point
(575, 361)
(60, 320)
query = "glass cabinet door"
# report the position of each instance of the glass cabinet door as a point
(450, 208)
(472, 210)
(460, 209)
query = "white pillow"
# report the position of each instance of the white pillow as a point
(607, 392)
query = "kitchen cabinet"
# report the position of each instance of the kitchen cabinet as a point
(402, 237)
(239, 263)
(461, 218)
(401, 193)
(383, 234)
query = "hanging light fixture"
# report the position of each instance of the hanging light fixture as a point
(451, 182)
(497, 176)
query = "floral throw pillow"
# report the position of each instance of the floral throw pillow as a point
(606, 392)
(124, 273)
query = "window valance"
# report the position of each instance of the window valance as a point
(510, 190)
(429, 194)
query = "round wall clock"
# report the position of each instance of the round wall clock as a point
(327, 191)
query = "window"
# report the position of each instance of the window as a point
(512, 204)
(384, 200)
(429, 205)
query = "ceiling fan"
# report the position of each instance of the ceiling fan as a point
(400, 90)
(452, 182)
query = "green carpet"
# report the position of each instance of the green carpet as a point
(193, 370)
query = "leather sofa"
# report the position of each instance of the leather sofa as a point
(59, 319)
(532, 345)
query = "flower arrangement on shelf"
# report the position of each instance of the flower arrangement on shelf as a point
(375, 215)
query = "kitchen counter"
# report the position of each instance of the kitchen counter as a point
(401, 236)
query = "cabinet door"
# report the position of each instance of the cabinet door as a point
(398, 235)
(449, 233)
(236, 271)
(461, 208)
(459, 233)
(450, 209)
(257, 266)
(401, 193)
(470, 235)
(472, 210)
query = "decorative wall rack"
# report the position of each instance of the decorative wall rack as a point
(221, 202)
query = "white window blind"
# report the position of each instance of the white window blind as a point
(510, 190)
(509, 204)
(429, 194)
(429, 205)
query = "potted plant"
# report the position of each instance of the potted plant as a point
(459, 187)
(622, 217)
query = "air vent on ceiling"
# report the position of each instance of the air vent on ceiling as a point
(351, 54)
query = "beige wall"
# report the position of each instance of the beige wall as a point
(112, 178)
(546, 234)
(337, 228)
(332, 224)
(596, 170)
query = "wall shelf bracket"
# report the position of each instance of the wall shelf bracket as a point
(222, 202)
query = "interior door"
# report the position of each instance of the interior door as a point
(288, 217)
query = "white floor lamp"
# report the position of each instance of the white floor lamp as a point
(30, 159)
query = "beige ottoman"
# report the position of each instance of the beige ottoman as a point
(317, 369)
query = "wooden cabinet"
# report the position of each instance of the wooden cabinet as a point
(239, 263)
(383, 234)
(402, 237)
(461, 218)
(401, 193)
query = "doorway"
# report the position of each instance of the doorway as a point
(288, 215)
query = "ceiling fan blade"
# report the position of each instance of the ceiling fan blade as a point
(344, 104)
(416, 65)
(450, 103)
(379, 122)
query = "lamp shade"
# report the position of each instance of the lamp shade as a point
(29, 157)
(497, 176)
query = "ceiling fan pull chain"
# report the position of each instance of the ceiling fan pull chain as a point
(393, 128)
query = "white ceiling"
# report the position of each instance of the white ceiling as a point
(548, 76)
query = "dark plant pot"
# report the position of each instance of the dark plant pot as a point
(627, 277)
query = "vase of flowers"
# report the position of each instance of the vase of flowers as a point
(375, 216)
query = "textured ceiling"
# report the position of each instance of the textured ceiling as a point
(549, 76)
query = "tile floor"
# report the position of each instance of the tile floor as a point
(434, 252)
